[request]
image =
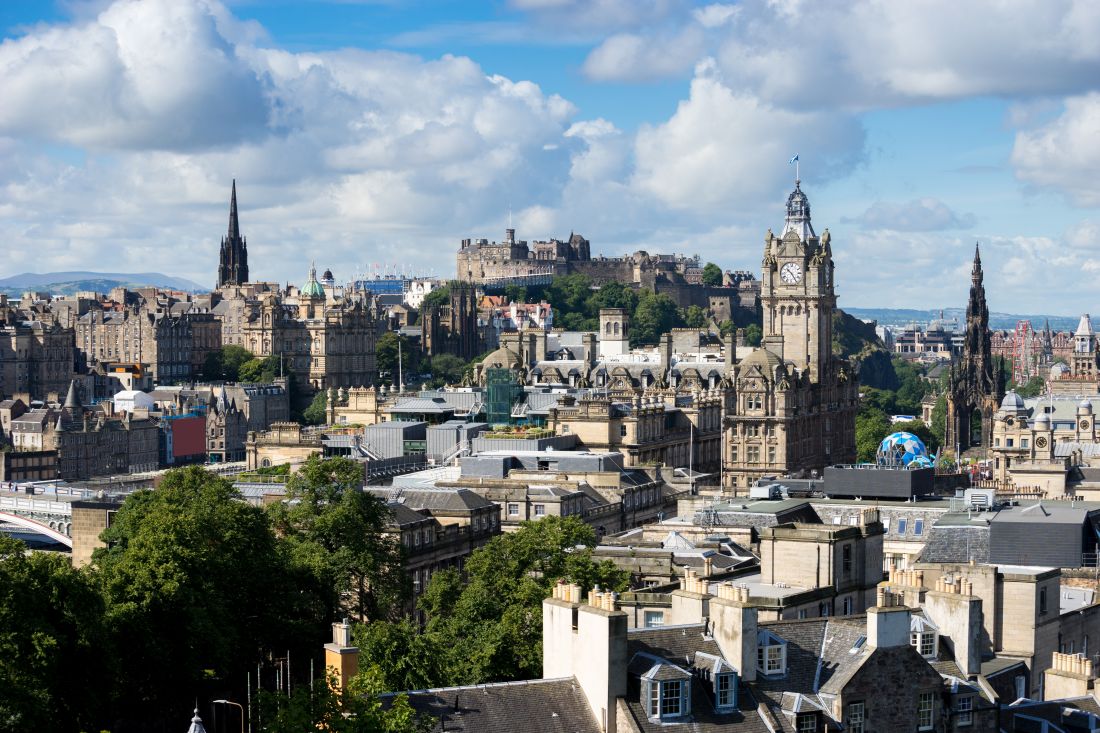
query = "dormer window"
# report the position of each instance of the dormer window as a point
(922, 637)
(667, 698)
(771, 654)
(725, 690)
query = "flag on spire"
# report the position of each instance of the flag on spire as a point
(793, 160)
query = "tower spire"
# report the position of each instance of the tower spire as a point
(234, 225)
(976, 271)
(233, 258)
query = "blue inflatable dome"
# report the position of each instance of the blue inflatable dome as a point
(903, 449)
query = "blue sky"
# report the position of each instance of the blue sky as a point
(366, 134)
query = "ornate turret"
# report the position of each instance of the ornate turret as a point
(233, 262)
(798, 215)
(312, 288)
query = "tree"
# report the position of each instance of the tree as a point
(316, 413)
(196, 588)
(872, 426)
(259, 370)
(436, 298)
(332, 526)
(490, 626)
(654, 315)
(223, 365)
(447, 369)
(712, 274)
(515, 293)
(939, 420)
(612, 295)
(386, 353)
(693, 317)
(402, 655)
(1031, 388)
(754, 334)
(52, 643)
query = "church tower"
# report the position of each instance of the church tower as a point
(233, 260)
(797, 290)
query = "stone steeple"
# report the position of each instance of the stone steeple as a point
(233, 262)
(977, 384)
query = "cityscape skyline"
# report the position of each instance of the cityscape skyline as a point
(388, 132)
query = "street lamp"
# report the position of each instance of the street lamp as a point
(230, 702)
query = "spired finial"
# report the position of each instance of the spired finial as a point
(234, 225)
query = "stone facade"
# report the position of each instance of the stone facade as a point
(37, 360)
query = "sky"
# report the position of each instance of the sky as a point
(374, 135)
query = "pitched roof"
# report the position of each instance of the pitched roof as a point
(542, 706)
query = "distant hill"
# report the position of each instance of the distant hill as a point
(67, 283)
(997, 321)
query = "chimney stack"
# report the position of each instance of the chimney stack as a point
(341, 658)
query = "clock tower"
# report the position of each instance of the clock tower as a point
(797, 290)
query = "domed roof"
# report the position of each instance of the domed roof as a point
(1085, 404)
(502, 357)
(763, 359)
(1012, 401)
(798, 214)
(903, 449)
(1059, 369)
(312, 288)
(1041, 419)
(327, 275)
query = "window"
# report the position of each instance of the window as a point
(964, 711)
(540, 510)
(836, 519)
(513, 510)
(923, 642)
(753, 454)
(1023, 443)
(886, 525)
(726, 690)
(565, 429)
(670, 703)
(847, 606)
(856, 717)
(771, 654)
(901, 525)
(925, 703)
(807, 723)
(733, 454)
(1008, 442)
(1042, 601)
(918, 526)
(846, 562)
(1021, 686)
(654, 618)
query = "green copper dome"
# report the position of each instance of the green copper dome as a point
(312, 288)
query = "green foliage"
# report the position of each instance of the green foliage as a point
(612, 295)
(490, 627)
(655, 315)
(401, 655)
(1032, 388)
(939, 419)
(320, 708)
(569, 294)
(872, 425)
(195, 586)
(754, 334)
(447, 369)
(386, 354)
(52, 660)
(693, 317)
(438, 297)
(224, 364)
(911, 387)
(337, 530)
(315, 414)
(876, 369)
(258, 370)
(712, 274)
(515, 293)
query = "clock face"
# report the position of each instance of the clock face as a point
(791, 273)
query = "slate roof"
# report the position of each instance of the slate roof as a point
(540, 706)
(433, 499)
(1060, 712)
